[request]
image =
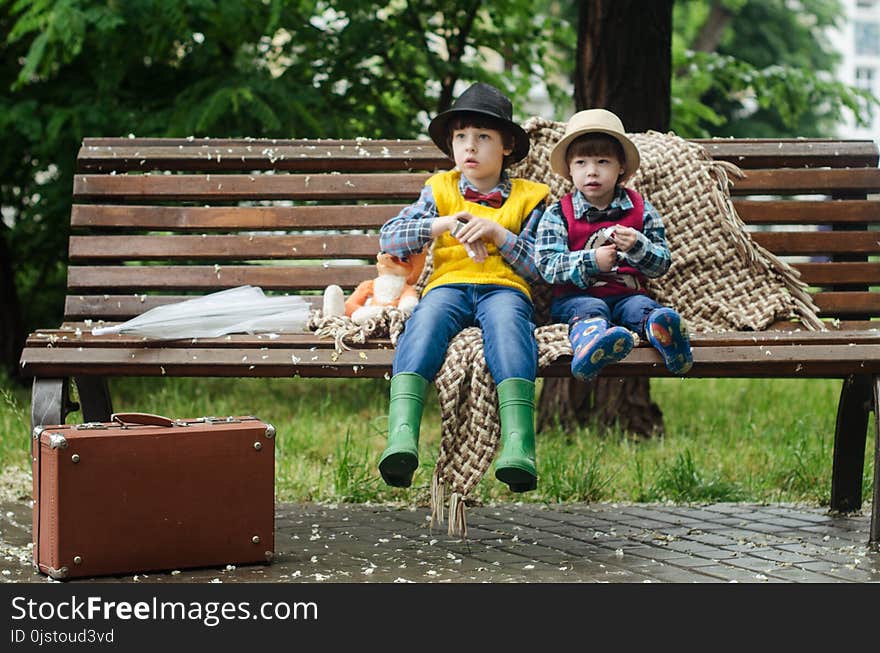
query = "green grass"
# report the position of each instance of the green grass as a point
(760, 440)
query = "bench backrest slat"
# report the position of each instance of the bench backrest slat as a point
(847, 304)
(221, 247)
(801, 212)
(106, 155)
(207, 278)
(838, 273)
(784, 181)
(792, 152)
(818, 242)
(79, 308)
(232, 218)
(232, 187)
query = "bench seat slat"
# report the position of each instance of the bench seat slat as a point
(236, 248)
(84, 278)
(190, 218)
(214, 361)
(801, 361)
(66, 337)
(236, 187)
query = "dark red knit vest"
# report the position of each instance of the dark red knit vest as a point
(586, 235)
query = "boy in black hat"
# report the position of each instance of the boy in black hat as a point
(483, 226)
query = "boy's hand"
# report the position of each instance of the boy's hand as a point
(606, 257)
(448, 223)
(624, 237)
(479, 230)
(455, 224)
(477, 251)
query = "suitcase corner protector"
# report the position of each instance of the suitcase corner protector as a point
(57, 574)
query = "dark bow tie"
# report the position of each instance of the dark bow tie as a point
(593, 214)
(492, 199)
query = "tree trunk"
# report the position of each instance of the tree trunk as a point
(605, 402)
(624, 60)
(623, 64)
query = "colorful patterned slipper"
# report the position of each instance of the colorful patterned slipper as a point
(595, 348)
(667, 332)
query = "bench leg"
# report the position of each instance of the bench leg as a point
(94, 398)
(856, 401)
(874, 538)
(50, 401)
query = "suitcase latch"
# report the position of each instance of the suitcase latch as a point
(90, 426)
(57, 441)
(218, 420)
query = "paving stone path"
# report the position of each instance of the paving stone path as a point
(528, 543)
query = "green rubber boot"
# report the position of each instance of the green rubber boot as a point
(516, 462)
(401, 456)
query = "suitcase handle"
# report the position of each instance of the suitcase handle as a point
(141, 419)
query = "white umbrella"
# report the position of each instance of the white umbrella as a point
(244, 309)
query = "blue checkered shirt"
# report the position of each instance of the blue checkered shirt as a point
(410, 231)
(558, 264)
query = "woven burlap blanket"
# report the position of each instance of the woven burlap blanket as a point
(720, 280)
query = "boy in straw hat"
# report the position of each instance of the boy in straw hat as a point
(599, 244)
(483, 225)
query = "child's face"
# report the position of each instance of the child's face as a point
(596, 177)
(479, 153)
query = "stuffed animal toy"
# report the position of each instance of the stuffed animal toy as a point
(393, 287)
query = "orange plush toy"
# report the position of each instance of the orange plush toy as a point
(393, 287)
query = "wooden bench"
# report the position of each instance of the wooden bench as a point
(158, 220)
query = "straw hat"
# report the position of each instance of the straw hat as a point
(486, 100)
(589, 122)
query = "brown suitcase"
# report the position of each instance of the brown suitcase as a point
(145, 492)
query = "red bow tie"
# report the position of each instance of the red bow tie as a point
(492, 199)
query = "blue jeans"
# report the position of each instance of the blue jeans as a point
(630, 311)
(505, 315)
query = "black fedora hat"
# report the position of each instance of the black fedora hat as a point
(485, 100)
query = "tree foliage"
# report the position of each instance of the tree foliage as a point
(759, 68)
(386, 68)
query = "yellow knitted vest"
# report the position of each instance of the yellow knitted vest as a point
(451, 262)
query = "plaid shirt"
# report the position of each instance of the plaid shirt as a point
(410, 231)
(558, 264)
